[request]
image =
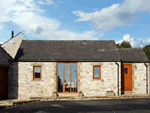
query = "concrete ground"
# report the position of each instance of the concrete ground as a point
(137, 105)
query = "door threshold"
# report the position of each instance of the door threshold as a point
(67, 94)
(126, 92)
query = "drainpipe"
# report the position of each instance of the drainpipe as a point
(118, 78)
(146, 79)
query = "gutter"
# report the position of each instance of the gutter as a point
(118, 78)
(146, 78)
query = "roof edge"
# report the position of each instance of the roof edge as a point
(26, 60)
(129, 48)
(73, 40)
(14, 36)
(7, 53)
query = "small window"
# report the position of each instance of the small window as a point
(37, 73)
(126, 70)
(96, 72)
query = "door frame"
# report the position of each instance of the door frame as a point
(64, 76)
(123, 91)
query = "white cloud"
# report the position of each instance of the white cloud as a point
(148, 40)
(47, 2)
(1, 42)
(70, 35)
(28, 15)
(133, 42)
(60, 2)
(115, 15)
(1, 26)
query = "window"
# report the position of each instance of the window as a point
(37, 73)
(96, 72)
(126, 70)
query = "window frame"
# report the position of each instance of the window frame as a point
(34, 73)
(94, 72)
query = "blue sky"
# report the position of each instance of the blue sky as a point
(77, 20)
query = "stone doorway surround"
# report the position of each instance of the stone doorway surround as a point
(137, 80)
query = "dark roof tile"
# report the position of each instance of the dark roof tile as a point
(67, 50)
(133, 55)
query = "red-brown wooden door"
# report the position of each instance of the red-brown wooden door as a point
(127, 77)
(3, 83)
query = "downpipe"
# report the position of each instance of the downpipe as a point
(118, 78)
(146, 78)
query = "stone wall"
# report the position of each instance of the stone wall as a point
(12, 45)
(98, 87)
(22, 86)
(139, 78)
(39, 88)
(13, 81)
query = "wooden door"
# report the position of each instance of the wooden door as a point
(127, 77)
(3, 83)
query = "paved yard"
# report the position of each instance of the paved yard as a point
(86, 106)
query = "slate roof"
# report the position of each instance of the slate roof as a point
(67, 50)
(133, 55)
(5, 57)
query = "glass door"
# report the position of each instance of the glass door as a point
(67, 77)
(73, 77)
(60, 77)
